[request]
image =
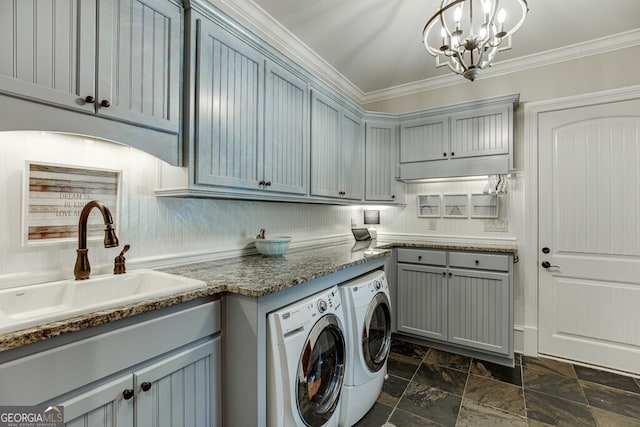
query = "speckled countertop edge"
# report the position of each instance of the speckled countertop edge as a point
(252, 276)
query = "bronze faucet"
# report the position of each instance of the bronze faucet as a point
(82, 267)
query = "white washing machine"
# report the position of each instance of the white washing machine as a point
(306, 356)
(368, 316)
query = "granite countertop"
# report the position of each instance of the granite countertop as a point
(473, 247)
(253, 276)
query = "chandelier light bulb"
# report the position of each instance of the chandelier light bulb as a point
(469, 45)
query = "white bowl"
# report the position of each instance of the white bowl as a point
(274, 246)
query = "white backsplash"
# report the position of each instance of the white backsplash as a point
(158, 229)
(163, 229)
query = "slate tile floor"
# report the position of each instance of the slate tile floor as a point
(429, 387)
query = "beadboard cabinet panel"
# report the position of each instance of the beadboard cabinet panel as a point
(229, 109)
(102, 406)
(325, 146)
(337, 150)
(479, 304)
(285, 157)
(480, 133)
(381, 162)
(47, 50)
(139, 61)
(352, 156)
(422, 301)
(425, 139)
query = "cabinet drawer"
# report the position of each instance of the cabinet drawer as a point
(479, 261)
(422, 256)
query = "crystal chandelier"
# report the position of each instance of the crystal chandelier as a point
(466, 34)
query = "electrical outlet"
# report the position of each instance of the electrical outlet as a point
(433, 224)
(497, 225)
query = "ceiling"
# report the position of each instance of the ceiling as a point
(376, 44)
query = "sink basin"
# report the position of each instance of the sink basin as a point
(34, 305)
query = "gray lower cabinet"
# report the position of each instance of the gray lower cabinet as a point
(162, 370)
(337, 150)
(178, 390)
(463, 299)
(118, 59)
(422, 301)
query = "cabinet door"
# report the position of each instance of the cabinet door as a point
(424, 139)
(479, 310)
(181, 390)
(352, 157)
(286, 142)
(229, 109)
(48, 51)
(139, 48)
(103, 406)
(380, 161)
(422, 301)
(481, 132)
(325, 146)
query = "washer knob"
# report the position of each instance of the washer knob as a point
(378, 285)
(322, 306)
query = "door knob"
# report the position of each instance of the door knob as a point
(547, 264)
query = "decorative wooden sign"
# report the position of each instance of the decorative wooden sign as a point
(55, 195)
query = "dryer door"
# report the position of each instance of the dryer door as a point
(376, 332)
(321, 371)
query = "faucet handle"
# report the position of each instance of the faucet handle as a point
(119, 266)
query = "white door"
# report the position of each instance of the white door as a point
(589, 234)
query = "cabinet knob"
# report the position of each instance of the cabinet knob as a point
(267, 184)
(145, 386)
(262, 183)
(444, 273)
(393, 196)
(419, 257)
(477, 262)
(444, 154)
(89, 99)
(105, 103)
(453, 154)
(127, 394)
(450, 274)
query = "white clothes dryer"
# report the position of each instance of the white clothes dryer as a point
(368, 316)
(306, 356)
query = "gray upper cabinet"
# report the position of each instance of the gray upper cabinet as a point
(286, 142)
(251, 117)
(484, 132)
(229, 108)
(118, 59)
(337, 150)
(474, 138)
(424, 139)
(48, 51)
(380, 162)
(139, 46)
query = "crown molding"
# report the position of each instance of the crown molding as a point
(567, 53)
(258, 20)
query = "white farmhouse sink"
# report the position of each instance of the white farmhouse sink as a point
(34, 305)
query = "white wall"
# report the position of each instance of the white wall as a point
(158, 229)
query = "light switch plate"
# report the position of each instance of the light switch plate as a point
(496, 225)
